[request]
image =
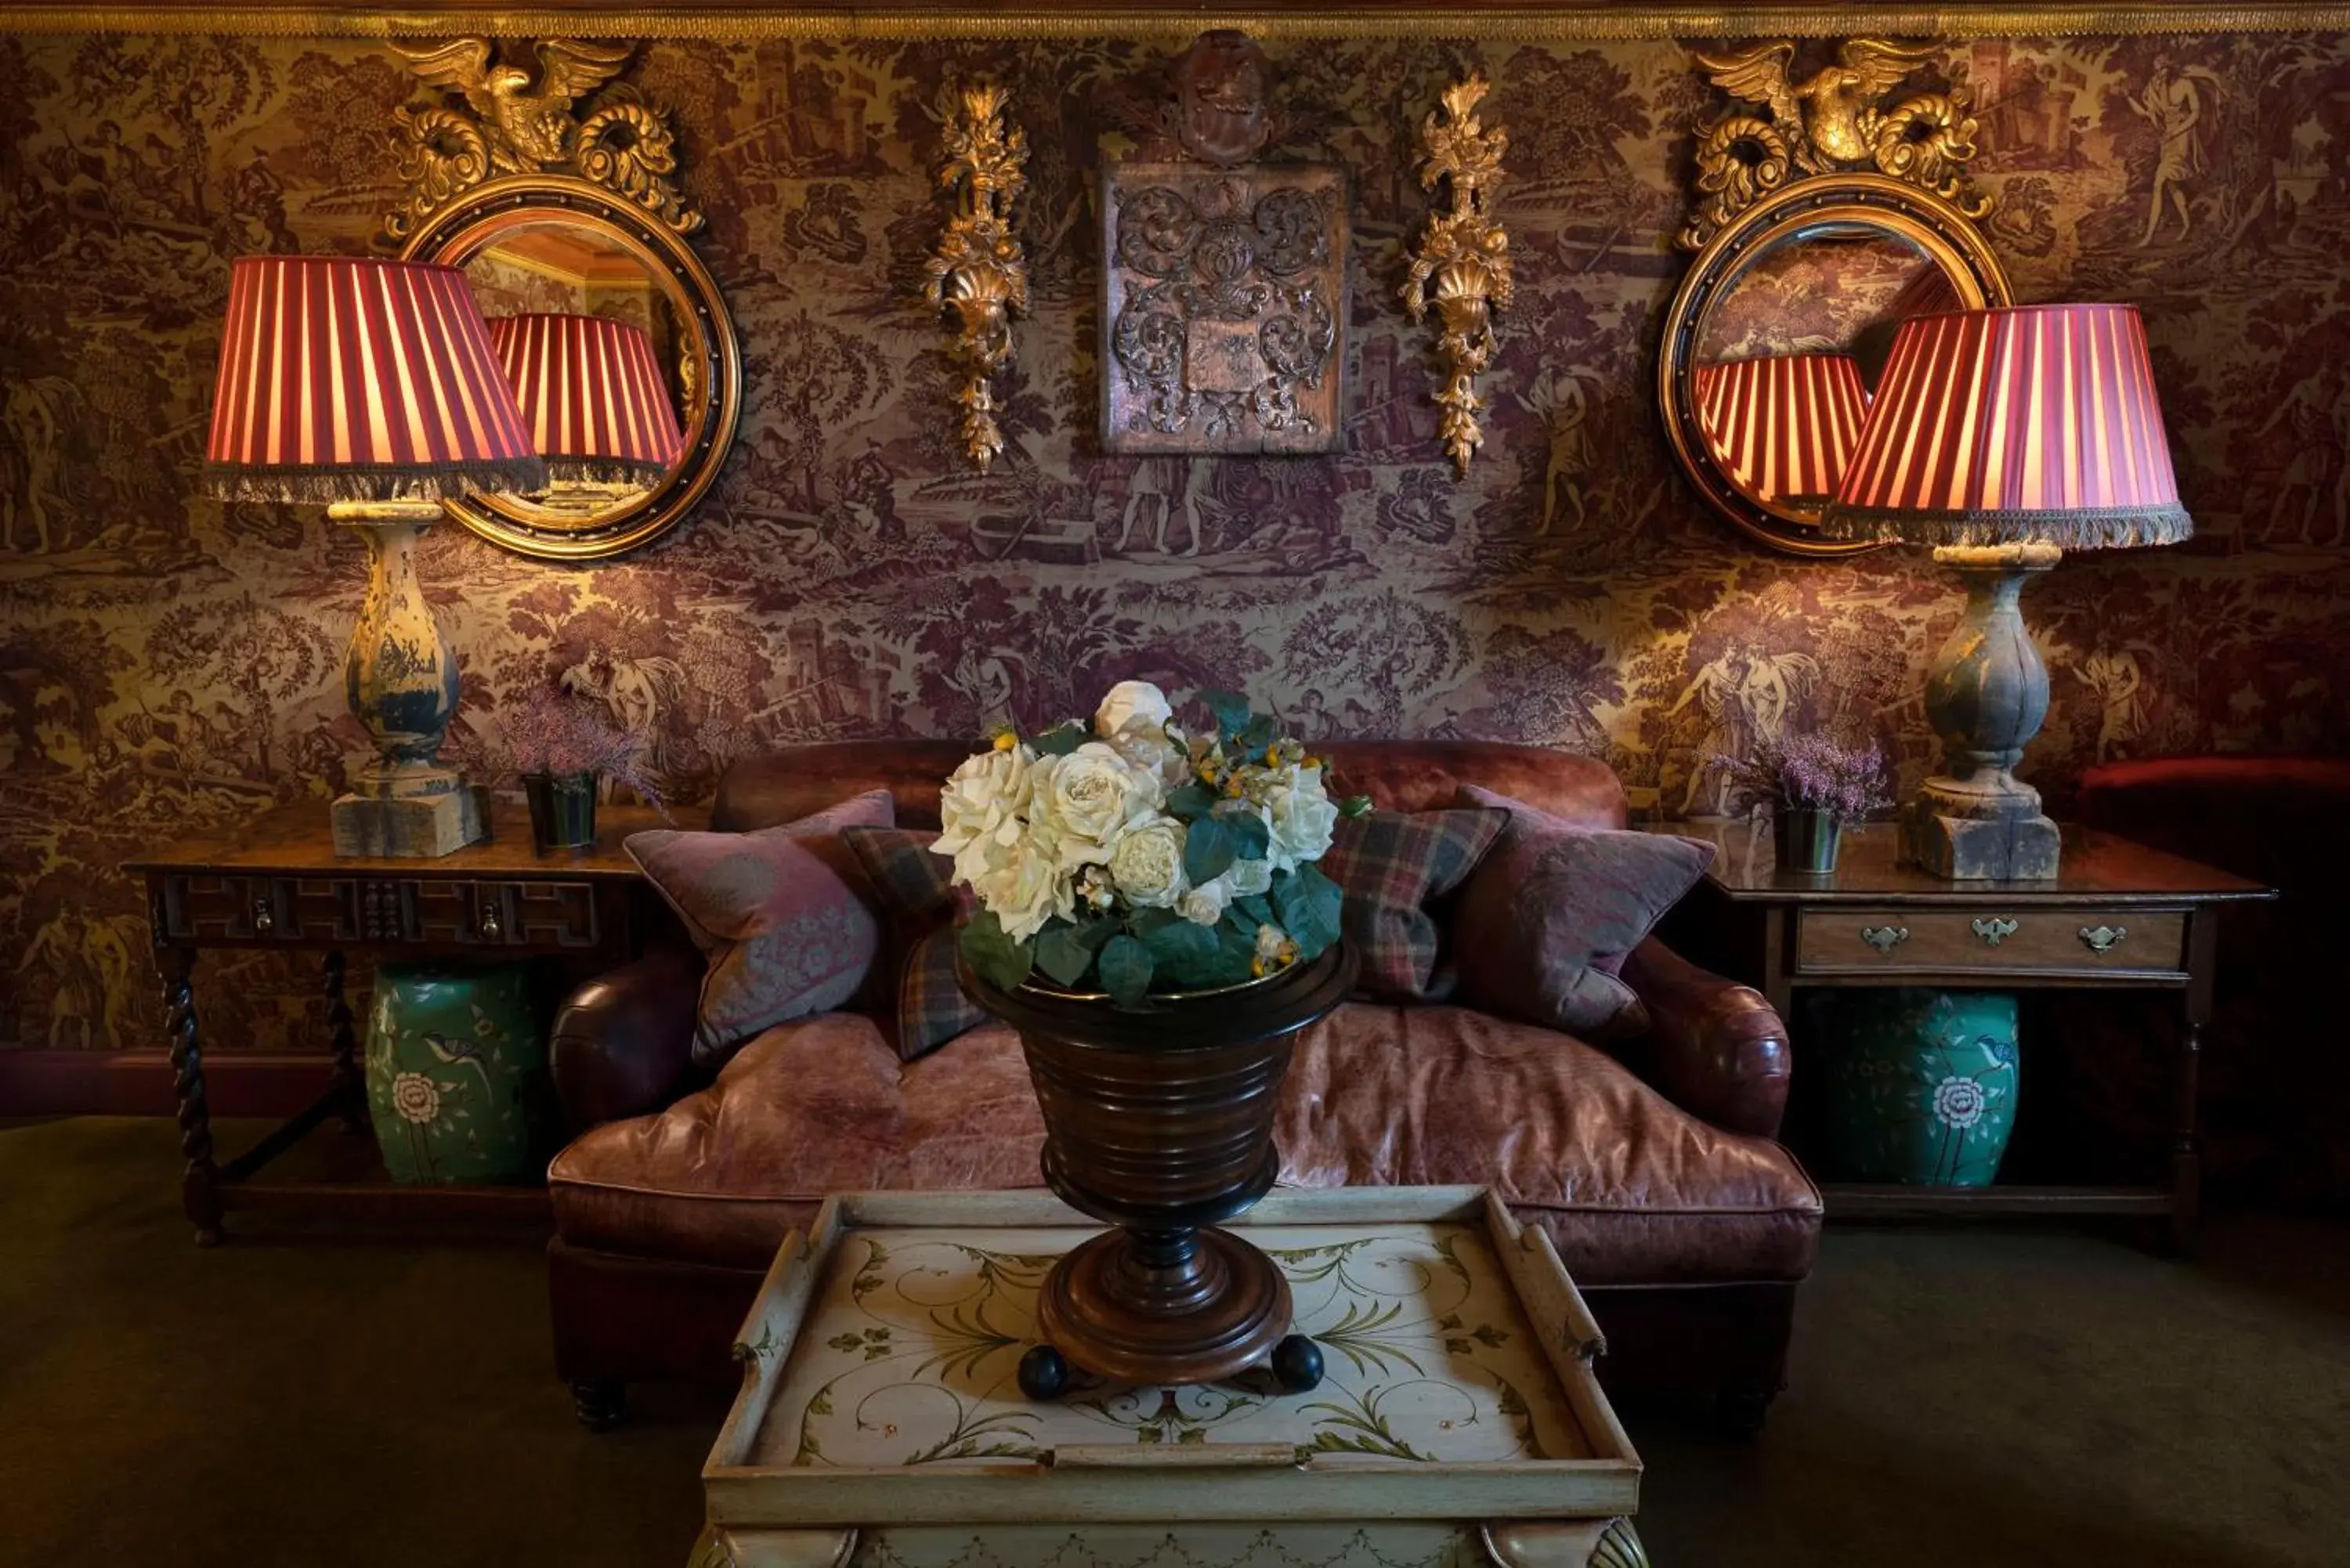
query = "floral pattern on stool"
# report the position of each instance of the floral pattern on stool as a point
(456, 1072)
(1921, 1084)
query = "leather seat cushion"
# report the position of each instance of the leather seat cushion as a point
(1632, 1189)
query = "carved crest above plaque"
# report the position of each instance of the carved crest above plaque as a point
(1224, 281)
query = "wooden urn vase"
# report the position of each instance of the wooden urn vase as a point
(1159, 1122)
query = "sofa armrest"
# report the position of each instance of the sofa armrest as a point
(1717, 1048)
(622, 1041)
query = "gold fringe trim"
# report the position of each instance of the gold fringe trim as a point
(2123, 528)
(605, 470)
(1510, 23)
(320, 484)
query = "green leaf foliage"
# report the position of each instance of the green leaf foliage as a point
(1230, 708)
(1062, 952)
(1126, 968)
(1355, 805)
(1182, 953)
(1210, 847)
(1192, 802)
(1253, 836)
(1062, 739)
(1309, 903)
(1259, 911)
(1142, 922)
(994, 955)
(1257, 733)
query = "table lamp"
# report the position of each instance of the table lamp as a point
(2003, 438)
(370, 385)
(1783, 427)
(592, 398)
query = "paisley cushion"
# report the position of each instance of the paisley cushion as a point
(1545, 923)
(777, 912)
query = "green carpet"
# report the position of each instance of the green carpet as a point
(1960, 1396)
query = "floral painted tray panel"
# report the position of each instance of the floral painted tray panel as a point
(907, 1357)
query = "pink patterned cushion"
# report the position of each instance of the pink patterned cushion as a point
(1546, 919)
(776, 912)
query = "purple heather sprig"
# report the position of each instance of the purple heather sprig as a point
(551, 733)
(1814, 772)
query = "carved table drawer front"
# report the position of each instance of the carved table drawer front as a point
(507, 914)
(231, 908)
(2024, 936)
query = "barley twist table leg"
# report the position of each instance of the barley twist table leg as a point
(200, 1183)
(349, 1082)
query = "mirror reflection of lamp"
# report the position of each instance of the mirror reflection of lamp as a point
(595, 403)
(1782, 427)
(370, 385)
(2003, 438)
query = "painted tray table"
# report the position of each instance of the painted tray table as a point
(1458, 1422)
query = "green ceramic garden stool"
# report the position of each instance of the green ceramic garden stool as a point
(1921, 1084)
(456, 1072)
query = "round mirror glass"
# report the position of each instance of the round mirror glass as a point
(598, 347)
(1790, 346)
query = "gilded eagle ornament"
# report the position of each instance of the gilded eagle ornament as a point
(522, 122)
(1834, 120)
(527, 131)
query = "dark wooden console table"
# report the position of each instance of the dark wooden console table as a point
(277, 883)
(2118, 914)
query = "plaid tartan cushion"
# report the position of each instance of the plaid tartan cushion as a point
(1392, 865)
(916, 890)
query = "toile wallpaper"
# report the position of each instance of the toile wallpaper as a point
(169, 663)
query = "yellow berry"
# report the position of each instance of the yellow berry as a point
(1256, 968)
(1272, 756)
(1005, 739)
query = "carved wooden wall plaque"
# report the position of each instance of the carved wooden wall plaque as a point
(1223, 280)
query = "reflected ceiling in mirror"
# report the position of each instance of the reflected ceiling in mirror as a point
(589, 337)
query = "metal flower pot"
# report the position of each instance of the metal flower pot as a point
(562, 809)
(1160, 1123)
(1807, 840)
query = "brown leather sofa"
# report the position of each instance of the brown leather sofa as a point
(1654, 1170)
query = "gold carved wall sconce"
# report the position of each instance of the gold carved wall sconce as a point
(1462, 263)
(979, 271)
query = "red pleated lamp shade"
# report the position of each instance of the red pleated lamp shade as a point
(592, 396)
(1782, 427)
(2033, 424)
(354, 378)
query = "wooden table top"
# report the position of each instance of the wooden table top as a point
(299, 839)
(2096, 868)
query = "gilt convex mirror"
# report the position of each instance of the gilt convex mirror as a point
(1832, 206)
(572, 234)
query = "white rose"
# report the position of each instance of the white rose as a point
(1301, 816)
(1146, 863)
(1248, 879)
(983, 803)
(1162, 754)
(1204, 906)
(1022, 886)
(1132, 706)
(1083, 802)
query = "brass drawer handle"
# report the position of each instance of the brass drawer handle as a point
(491, 926)
(1885, 938)
(264, 922)
(1994, 930)
(2103, 939)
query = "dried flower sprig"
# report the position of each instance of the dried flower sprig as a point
(1815, 772)
(549, 731)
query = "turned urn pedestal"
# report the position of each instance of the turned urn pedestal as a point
(1159, 1122)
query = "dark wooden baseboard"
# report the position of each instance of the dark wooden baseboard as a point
(139, 1083)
